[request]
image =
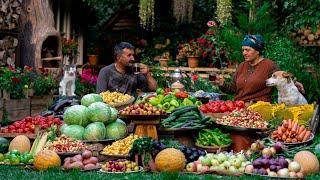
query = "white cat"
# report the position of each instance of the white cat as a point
(68, 82)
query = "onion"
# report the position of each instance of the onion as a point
(283, 172)
(292, 174)
(271, 173)
(273, 150)
(267, 152)
(262, 171)
(273, 168)
(294, 166)
(249, 169)
(283, 163)
(254, 147)
(278, 146)
(299, 175)
(289, 160)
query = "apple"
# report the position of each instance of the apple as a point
(191, 167)
(214, 162)
(199, 167)
(206, 162)
(205, 169)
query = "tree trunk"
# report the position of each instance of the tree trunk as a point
(37, 26)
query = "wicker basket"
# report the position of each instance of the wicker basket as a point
(122, 105)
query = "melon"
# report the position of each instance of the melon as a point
(308, 161)
(20, 143)
(4, 144)
(46, 159)
(170, 160)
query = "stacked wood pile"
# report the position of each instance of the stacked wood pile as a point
(307, 37)
(10, 11)
(8, 45)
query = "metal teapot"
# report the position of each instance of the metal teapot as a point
(176, 75)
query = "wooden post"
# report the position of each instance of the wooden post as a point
(37, 24)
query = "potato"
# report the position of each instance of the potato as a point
(67, 164)
(92, 160)
(78, 157)
(86, 154)
(90, 166)
(67, 159)
(77, 165)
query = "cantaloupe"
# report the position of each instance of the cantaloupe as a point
(46, 159)
(20, 143)
(308, 161)
(170, 160)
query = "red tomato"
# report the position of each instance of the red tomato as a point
(12, 131)
(240, 104)
(32, 127)
(26, 129)
(204, 109)
(5, 130)
(16, 124)
(223, 108)
(216, 109)
(28, 119)
(20, 131)
(12, 127)
(57, 121)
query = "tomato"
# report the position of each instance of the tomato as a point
(20, 131)
(16, 124)
(32, 127)
(5, 130)
(223, 108)
(26, 129)
(12, 127)
(204, 109)
(28, 119)
(240, 104)
(215, 109)
(13, 131)
(50, 118)
(57, 121)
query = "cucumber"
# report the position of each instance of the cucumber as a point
(184, 109)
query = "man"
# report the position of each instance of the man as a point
(117, 77)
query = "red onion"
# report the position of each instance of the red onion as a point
(278, 146)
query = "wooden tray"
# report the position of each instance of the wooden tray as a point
(13, 135)
(213, 149)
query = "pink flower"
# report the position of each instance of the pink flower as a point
(211, 24)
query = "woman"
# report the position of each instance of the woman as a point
(249, 80)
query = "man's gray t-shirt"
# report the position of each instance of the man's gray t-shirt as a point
(110, 79)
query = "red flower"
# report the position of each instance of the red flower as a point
(211, 24)
(16, 80)
(11, 68)
(194, 77)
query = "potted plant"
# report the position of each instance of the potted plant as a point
(92, 56)
(193, 51)
(164, 58)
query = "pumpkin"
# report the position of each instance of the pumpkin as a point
(46, 159)
(308, 161)
(20, 143)
(170, 160)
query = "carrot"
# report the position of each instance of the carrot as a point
(294, 140)
(294, 126)
(289, 124)
(306, 136)
(301, 136)
(273, 136)
(279, 131)
(289, 140)
(283, 129)
(284, 137)
(285, 124)
(301, 129)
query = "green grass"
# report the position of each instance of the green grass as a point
(19, 173)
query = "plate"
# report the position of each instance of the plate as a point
(140, 170)
(299, 143)
(213, 148)
(143, 117)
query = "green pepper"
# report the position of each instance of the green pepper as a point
(160, 97)
(174, 102)
(167, 98)
(160, 106)
(187, 102)
(198, 103)
(170, 109)
(193, 99)
(160, 91)
(166, 105)
(154, 101)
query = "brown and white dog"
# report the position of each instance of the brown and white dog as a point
(288, 93)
